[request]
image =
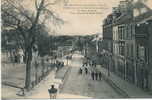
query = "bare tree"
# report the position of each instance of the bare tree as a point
(26, 23)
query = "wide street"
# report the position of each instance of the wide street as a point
(82, 86)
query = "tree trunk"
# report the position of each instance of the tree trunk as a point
(42, 64)
(36, 73)
(28, 69)
(25, 56)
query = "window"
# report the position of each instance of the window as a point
(127, 31)
(132, 50)
(142, 52)
(114, 34)
(131, 31)
(115, 48)
(122, 48)
(127, 49)
(121, 31)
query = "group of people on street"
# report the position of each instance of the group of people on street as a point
(89, 68)
(90, 63)
(85, 70)
(96, 76)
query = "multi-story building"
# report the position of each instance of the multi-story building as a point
(107, 33)
(143, 36)
(107, 42)
(131, 42)
(124, 47)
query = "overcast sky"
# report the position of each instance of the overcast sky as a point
(80, 24)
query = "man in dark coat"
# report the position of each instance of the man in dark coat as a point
(95, 64)
(16, 58)
(92, 75)
(52, 92)
(86, 71)
(80, 71)
(100, 75)
(96, 75)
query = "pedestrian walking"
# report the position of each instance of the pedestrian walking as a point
(62, 64)
(86, 70)
(95, 64)
(89, 63)
(16, 58)
(100, 75)
(52, 92)
(96, 76)
(92, 75)
(84, 64)
(80, 71)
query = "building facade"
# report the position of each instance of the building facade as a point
(130, 29)
(143, 50)
(107, 42)
(107, 33)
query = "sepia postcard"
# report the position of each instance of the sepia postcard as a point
(76, 49)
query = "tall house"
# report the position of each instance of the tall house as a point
(124, 46)
(107, 33)
(143, 36)
(132, 49)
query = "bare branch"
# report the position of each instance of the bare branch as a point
(36, 5)
(12, 26)
(11, 15)
(55, 2)
(21, 10)
(55, 18)
(37, 14)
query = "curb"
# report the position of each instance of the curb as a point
(115, 87)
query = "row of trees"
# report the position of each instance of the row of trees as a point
(29, 25)
(83, 42)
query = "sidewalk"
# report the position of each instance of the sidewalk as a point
(129, 90)
(41, 90)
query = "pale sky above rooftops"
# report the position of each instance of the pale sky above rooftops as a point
(76, 23)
